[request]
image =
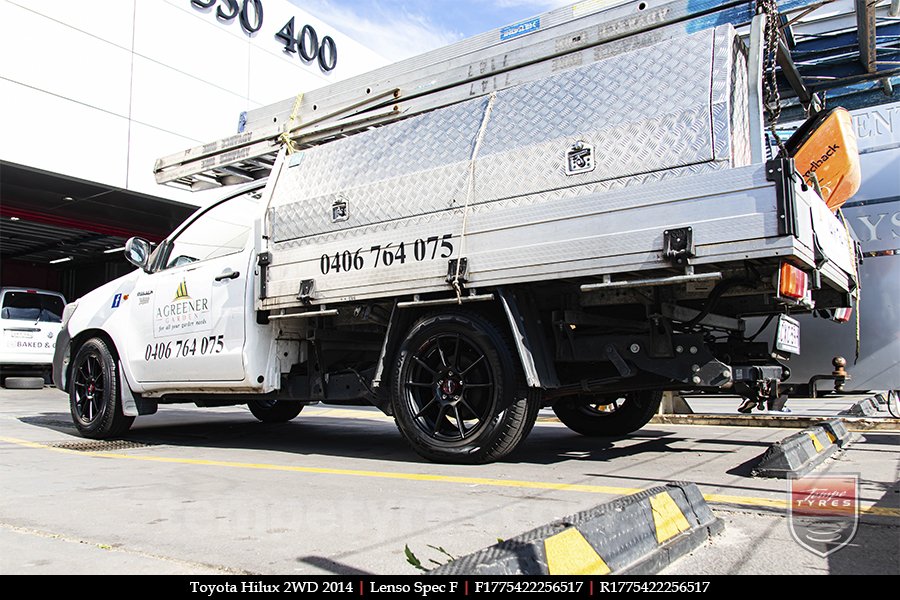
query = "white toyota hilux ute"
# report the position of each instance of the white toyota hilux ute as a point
(565, 243)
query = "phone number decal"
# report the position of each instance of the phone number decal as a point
(202, 346)
(388, 255)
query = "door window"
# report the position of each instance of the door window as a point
(220, 231)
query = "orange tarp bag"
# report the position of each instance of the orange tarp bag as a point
(824, 148)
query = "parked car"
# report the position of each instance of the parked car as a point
(30, 323)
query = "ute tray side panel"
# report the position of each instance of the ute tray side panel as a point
(382, 213)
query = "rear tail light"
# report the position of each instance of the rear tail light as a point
(792, 282)
(842, 315)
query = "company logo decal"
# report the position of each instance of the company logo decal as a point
(184, 313)
(182, 292)
(144, 297)
(824, 512)
(118, 299)
(816, 164)
(517, 29)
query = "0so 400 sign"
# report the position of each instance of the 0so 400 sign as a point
(304, 42)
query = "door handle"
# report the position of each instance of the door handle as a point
(228, 275)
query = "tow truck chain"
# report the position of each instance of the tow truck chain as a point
(772, 97)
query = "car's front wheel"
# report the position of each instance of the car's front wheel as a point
(94, 392)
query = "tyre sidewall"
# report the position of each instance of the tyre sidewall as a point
(268, 411)
(491, 343)
(99, 427)
(634, 413)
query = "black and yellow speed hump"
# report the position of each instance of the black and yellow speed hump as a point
(636, 534)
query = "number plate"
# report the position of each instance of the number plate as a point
(787, 338)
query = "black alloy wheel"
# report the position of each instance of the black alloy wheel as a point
(94, 392)
(456, 391)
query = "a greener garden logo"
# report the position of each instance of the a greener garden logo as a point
(185, 313)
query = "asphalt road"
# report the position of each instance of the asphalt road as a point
(337, 491)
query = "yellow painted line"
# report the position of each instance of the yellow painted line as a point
(831, 437)
(779, 504)
(348, 413)
(511, 483)
(568, 553)
(815, 441)
(749, 501)
(566, 487)
(667, 517)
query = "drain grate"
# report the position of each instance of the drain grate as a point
(98, 445)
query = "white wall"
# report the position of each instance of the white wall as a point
(99, 89)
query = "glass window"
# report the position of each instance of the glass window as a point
(220, 231)
(32, 306)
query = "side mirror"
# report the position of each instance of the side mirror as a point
(137, 252)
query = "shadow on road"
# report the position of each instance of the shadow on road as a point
(373, 438)
(876, 547)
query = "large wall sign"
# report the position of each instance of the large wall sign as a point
(304, 42)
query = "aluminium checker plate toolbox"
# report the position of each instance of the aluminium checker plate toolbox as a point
(660, 124)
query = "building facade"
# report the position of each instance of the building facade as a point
(98, 90)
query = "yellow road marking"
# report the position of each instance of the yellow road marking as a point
(815, 441)
(511, 483)
(568, 553)
(350, 413)
(568, 487)
(667, 517)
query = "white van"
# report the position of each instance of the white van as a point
(30, 322)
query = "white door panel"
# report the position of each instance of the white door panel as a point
(193, 324)
(189, 318)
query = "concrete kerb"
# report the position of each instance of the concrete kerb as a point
(877, 423)
(867, 407)
(636, 534)
(800, 453)
(838, 433)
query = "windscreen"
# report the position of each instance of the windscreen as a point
(32, 306)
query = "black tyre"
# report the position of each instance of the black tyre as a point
(601, 416)
(94, 392)
(274, 411)
(23, 383)
(455, 391)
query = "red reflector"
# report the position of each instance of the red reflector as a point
(792, 282)
(842, 315)
(31, 291)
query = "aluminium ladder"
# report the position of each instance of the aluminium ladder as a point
(526, 51)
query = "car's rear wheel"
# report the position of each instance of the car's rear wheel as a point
(608, 415)
(274, 411)
(94, 392)
(456, 391)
